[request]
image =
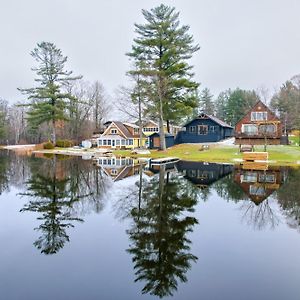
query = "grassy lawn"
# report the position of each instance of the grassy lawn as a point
(282, 155)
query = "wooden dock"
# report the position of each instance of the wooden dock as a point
(164, 160)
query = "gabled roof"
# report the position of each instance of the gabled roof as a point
(259, 102)
(213, 118)
(131, 125)
(122, 128)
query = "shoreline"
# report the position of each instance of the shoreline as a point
(278, 155)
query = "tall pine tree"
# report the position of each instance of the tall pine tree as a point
(206, 103)
(48, 101)
(161, 52)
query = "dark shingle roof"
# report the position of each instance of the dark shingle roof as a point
(123, 129)
(213, 118)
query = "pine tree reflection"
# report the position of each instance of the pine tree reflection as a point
(58, 190)
(159, 242)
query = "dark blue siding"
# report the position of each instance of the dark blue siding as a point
(215, 132)
(170, 141)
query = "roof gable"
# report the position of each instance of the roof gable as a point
(259, 106)
(121, 127)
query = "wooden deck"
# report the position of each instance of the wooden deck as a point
(255, 156)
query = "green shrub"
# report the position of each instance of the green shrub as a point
(64, 143)
(48, 145)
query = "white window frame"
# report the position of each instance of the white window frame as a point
(249, 132)
(259, 115)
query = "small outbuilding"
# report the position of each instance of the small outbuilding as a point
(204, 129)
(154, 140)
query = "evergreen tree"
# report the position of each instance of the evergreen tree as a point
(206, 103)
(287, 104)
(161, 52)
(238, 104)
(220, 105)
(48, 102)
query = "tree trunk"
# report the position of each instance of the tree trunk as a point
(53, 133)
(161, 119)
(168, 126)
(140, 123)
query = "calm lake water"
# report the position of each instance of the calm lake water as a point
(118, 229)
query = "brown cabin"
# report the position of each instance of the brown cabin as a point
(259, 126)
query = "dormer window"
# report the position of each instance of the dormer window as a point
(113, 131)
(259, 116)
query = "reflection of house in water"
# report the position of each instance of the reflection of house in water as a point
(203, 174)
(260, 180)
(119, 168)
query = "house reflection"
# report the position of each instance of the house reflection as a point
(119, 168)
(258, 180)
(203, 174)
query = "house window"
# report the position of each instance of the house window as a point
(259, 116)
(257, 190)
(108, 142)
(117, 142)
(104, 142)
(250, 129)
(267, 128)
(136, 130)
(202, 129)
(114, 172)
(267, 178)
(130, 142)
(249, 177)
(100, 142)
(123, 142)
(113, 131)
(213, 129)
(192, 128)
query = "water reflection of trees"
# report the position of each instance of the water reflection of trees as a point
(58, 190)
(13, 170)
(289, 198)
(257, 215)
(260, 216)
(159, 234)
(229, 190)
(4, 164)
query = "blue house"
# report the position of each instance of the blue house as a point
(204, 129)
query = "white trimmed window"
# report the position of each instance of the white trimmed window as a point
(192, 128)
(113, 131)
(249, 177)
(249, 128)
(202, 129)
(259, 116)
(257, 190)
(267, 128)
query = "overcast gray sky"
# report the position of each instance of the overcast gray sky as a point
(244, 43)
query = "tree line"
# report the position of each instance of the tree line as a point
(162, 88)
(58, 105)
